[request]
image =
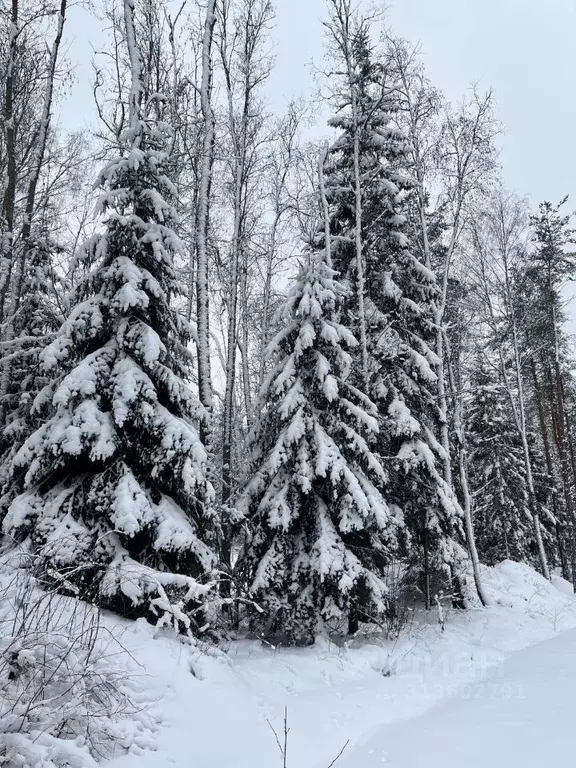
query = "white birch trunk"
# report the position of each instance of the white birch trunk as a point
(205, 386)
(231, 337)
(526, 451)
(136, 81)
(244, 347)
(325, 211)
(463, 473)
(9, 191)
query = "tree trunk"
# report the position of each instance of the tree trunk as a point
(520, 414)
(558, 421)
(463, 471)
(9, 197)
(232, 341)
(560, 525)
(205, 389)
(245, 338)
(41, 146)
(426, 548)
(265, 329)
(358, 244)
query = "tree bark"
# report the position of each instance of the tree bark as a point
(550, 467)
(41, 146)
(205, 387)
(9, 197)
(560, 440)
(463, 472)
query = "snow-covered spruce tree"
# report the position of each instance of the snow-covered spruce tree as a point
(115, 502)
(321, 531)
(549, 265)
(502, 518)
(392, 305)
(365, 177)
(549, 448)
(36, 321)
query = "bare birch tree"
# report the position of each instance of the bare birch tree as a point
(202, 218)
(497, 248)
(453, 160)
(242, 37)
(283, 157)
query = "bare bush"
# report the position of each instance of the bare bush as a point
(63, 680)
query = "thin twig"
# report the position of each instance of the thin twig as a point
(339, 755)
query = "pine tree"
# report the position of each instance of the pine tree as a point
(383, 181)
(37, 318)
(115, 503)
(539, 305)
(502, 518)
(322, 533)
(395, 303)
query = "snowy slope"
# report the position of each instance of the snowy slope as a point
(522, 714)
(217, 709)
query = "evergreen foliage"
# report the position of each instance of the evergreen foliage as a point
(419, 384)
(502, 518)
(400, 292)
(322, 532)
(114, 498)
(37, 319)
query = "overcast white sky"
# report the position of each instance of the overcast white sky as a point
(524, 49)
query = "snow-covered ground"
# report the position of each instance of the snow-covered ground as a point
(454, 697)
(520, 715)
(491, 689)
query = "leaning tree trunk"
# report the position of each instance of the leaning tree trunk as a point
(232, 341)
(40, 147)
(520, 414)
